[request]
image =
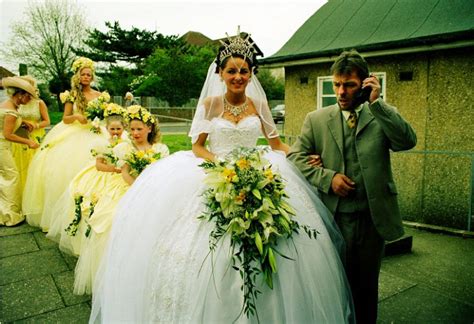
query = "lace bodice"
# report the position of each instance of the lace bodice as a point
(225, 135)
(30, 111)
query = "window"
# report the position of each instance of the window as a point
(327, 96)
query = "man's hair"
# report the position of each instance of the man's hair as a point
(350, 61)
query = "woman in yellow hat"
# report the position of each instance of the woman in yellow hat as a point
(19, 92)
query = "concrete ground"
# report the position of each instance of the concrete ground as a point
(432, 284)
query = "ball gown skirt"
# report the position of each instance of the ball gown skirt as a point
(94, 246)
(157, 268)
(23, 155)
(10, 187)
(89, 181)
(63, 153)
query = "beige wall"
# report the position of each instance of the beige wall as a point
(435, 179)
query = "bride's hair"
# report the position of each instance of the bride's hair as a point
(237, 46)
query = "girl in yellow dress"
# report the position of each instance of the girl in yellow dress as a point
(89, 183)
(35, 115)
(20, 92)
(66, 148)
(133, 158)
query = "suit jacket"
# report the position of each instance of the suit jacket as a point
(380, 128)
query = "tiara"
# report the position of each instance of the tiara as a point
(238, 45)
(82, 62)
(140, 113)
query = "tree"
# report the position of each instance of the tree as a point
(118, 44)
(274, 87)
(44, 39)
(176, 74)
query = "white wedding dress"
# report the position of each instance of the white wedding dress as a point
(157, 267)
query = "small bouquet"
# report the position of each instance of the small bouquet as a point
(107, 152)
(139, 160)
(246, 199)
(95, 110)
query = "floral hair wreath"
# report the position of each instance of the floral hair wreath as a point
(82, 62)
(113, 109)
(140, 113)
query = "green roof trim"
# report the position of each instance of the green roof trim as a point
(378, 24)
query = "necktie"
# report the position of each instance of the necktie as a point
(352, 120)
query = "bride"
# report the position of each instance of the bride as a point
(156, 267)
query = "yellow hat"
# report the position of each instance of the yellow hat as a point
(19, 83)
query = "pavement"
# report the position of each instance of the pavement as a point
(431, 284)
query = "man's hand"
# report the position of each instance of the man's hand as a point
(315, 161)
(342, 185)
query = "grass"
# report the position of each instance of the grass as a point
(182, 142)
(55, 117)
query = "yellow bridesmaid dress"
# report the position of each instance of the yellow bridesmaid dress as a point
(98, 224)
(10, 194)
(22, 153)
(88, 183)
(64, 151)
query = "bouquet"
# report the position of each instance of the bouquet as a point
(106, 152)
(139, 160)
(246, 200)
(95, 110)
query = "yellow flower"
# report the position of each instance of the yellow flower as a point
(105, 96)
(64, 96)
(134, 110)
(229, 175)
(243, 164)
(140, 154)
(239, 199)
(268, 174)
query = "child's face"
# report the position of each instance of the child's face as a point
(139, 131)
(115, 128)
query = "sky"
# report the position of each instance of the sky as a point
(271, 23)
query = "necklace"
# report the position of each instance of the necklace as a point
(235, 110)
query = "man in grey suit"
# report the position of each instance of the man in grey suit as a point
(354, 139)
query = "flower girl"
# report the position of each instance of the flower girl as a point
(88, 184)
(133, 157)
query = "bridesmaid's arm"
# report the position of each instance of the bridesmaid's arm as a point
(200, 150)
(45, 121)
(102, 165)
(69, 117)
(126, 174)
(8, 127)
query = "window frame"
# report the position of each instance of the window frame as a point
(380, 75)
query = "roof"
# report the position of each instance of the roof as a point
(196, 38)
(374, 24)
(4, 73)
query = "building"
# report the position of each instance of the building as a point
(422, 52)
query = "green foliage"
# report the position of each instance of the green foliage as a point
(175, 74)
(118, 44)
(44, 39)
(274, 87)
(116, 80)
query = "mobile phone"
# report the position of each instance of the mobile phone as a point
(363, 95)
